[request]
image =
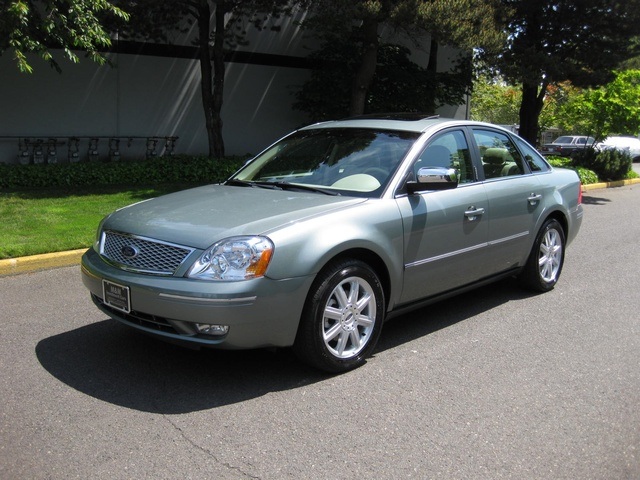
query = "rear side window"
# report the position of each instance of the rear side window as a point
(532, 157)
(500, 157)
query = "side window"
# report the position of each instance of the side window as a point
(500, 157)
(448, 150)
(533, 158)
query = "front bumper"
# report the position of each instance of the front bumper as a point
(259, 313)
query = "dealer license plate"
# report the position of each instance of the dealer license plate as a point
(116, 296)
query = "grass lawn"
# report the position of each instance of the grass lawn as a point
(46, 221)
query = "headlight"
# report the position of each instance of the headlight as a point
(236, 258)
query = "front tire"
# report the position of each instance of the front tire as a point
(342, 318)
(543, 268)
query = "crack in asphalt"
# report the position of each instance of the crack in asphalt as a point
(208, 452)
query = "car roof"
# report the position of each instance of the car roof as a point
(574, 136)
(408, 122)
(621, 138)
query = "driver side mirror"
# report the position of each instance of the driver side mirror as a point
(433, 178)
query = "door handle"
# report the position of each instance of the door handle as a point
(534, 198)
(472, 213)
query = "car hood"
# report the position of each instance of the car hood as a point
(201, 216)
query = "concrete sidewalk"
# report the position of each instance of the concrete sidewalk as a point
(15, 266)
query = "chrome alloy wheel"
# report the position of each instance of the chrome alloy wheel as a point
(349, 317)
(550, 255)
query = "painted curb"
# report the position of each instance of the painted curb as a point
(32, 263)
(619, 183)
(15, 266)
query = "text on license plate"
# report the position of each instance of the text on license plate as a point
(116, 296)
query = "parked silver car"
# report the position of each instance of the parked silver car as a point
(333, 229)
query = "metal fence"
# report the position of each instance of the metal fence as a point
(73, 149)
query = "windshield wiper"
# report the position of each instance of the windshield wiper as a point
(307, 188)
(280, 186)
(245, 183)
(239, 183)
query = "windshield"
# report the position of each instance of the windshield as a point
(348, 161)
(563, 140)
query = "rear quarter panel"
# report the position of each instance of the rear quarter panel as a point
(561, 193)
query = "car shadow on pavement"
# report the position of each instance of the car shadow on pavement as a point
(589, 200)
(122, 366)
(444, 314)
(119, 365)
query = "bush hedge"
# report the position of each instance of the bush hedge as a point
(162, 170)
(609, 165)
(591, 167)
(586, 176)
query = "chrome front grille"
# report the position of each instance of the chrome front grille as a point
(141, 254)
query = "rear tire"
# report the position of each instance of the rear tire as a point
(543, 268)
(342, 317)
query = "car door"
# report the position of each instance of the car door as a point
(445, 232)
(514, 199)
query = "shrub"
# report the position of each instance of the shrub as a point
(609, 164)
(164, 170)
(586, 176)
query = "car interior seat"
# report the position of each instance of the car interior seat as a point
(494, 160)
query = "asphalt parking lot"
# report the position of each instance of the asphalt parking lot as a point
(497, 383)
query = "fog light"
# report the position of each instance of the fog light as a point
(214, 330)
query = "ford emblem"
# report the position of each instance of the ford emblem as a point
(129, 251)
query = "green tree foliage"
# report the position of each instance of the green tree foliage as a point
(399, 85)
(467, 24)
(550, 41)
(616, 105)
(562, 110)
(32, 26)
(611, 109)
(494, 101)
(632, 63)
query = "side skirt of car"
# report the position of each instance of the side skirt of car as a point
(403, 309)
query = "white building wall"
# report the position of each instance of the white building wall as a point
(144, 96)
(147, 96)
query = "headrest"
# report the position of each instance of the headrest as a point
(495, 155)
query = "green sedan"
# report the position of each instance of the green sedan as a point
(333, 229)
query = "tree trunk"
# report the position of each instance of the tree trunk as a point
(364, 76)
(530, 109)
(218, 79)
(432, 75)
(206, 84)
(212, 69)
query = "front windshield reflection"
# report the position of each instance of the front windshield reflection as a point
(355, 161)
